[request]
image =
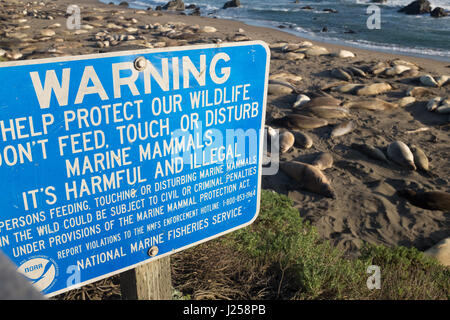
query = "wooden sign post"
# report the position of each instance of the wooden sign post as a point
(151, 281)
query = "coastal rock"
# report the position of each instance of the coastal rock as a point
(417, 7)
(232, 4)
(174, 5)
(438, 12)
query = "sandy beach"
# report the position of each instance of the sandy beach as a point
(366, 206)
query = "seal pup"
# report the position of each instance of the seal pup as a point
(418, 92)
(302, 140)
(399, 152)
(420, 158)
(286, 141)
(328, 112)
(369, 151)
(323, 161)
(297, 121)
(343, 128)
(440, 251)
(434, 103)
(309, 178)
(301, 100)
(428, 80)
(405, 101)
(340, 74)
(322, 101)
(374, 89)
(430, 200)
(370, 104)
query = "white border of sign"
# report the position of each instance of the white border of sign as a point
(168, 49)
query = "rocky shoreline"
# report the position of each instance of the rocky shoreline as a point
(368, 99)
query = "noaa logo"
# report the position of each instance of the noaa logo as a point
(41, 271)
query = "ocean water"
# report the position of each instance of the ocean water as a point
(419, 35)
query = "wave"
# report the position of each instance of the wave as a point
(445, 4)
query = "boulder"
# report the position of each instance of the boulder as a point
(417, 7)
(174, 5)
(438, 12)
(232, 4)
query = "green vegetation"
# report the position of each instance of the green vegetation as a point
(281, 256)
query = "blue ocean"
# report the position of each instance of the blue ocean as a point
(420, 35)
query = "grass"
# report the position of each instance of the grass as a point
(281, 256)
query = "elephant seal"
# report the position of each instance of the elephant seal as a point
(301, 100)
(428, 80)
(441, 252)
(420, 158)
(286, 141)
(297, 121)
(374, 89)
(418, 92)
(370, 151)
(343, 128)
(434, 103)
(322, 101)
(340, 74)
(323, 161)
(302, 140)
(329, 112)
(309, 178)
(399, 152)
(278, 89)
(370, 104)
(430, 200)
(356, 72)
(405, 101)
